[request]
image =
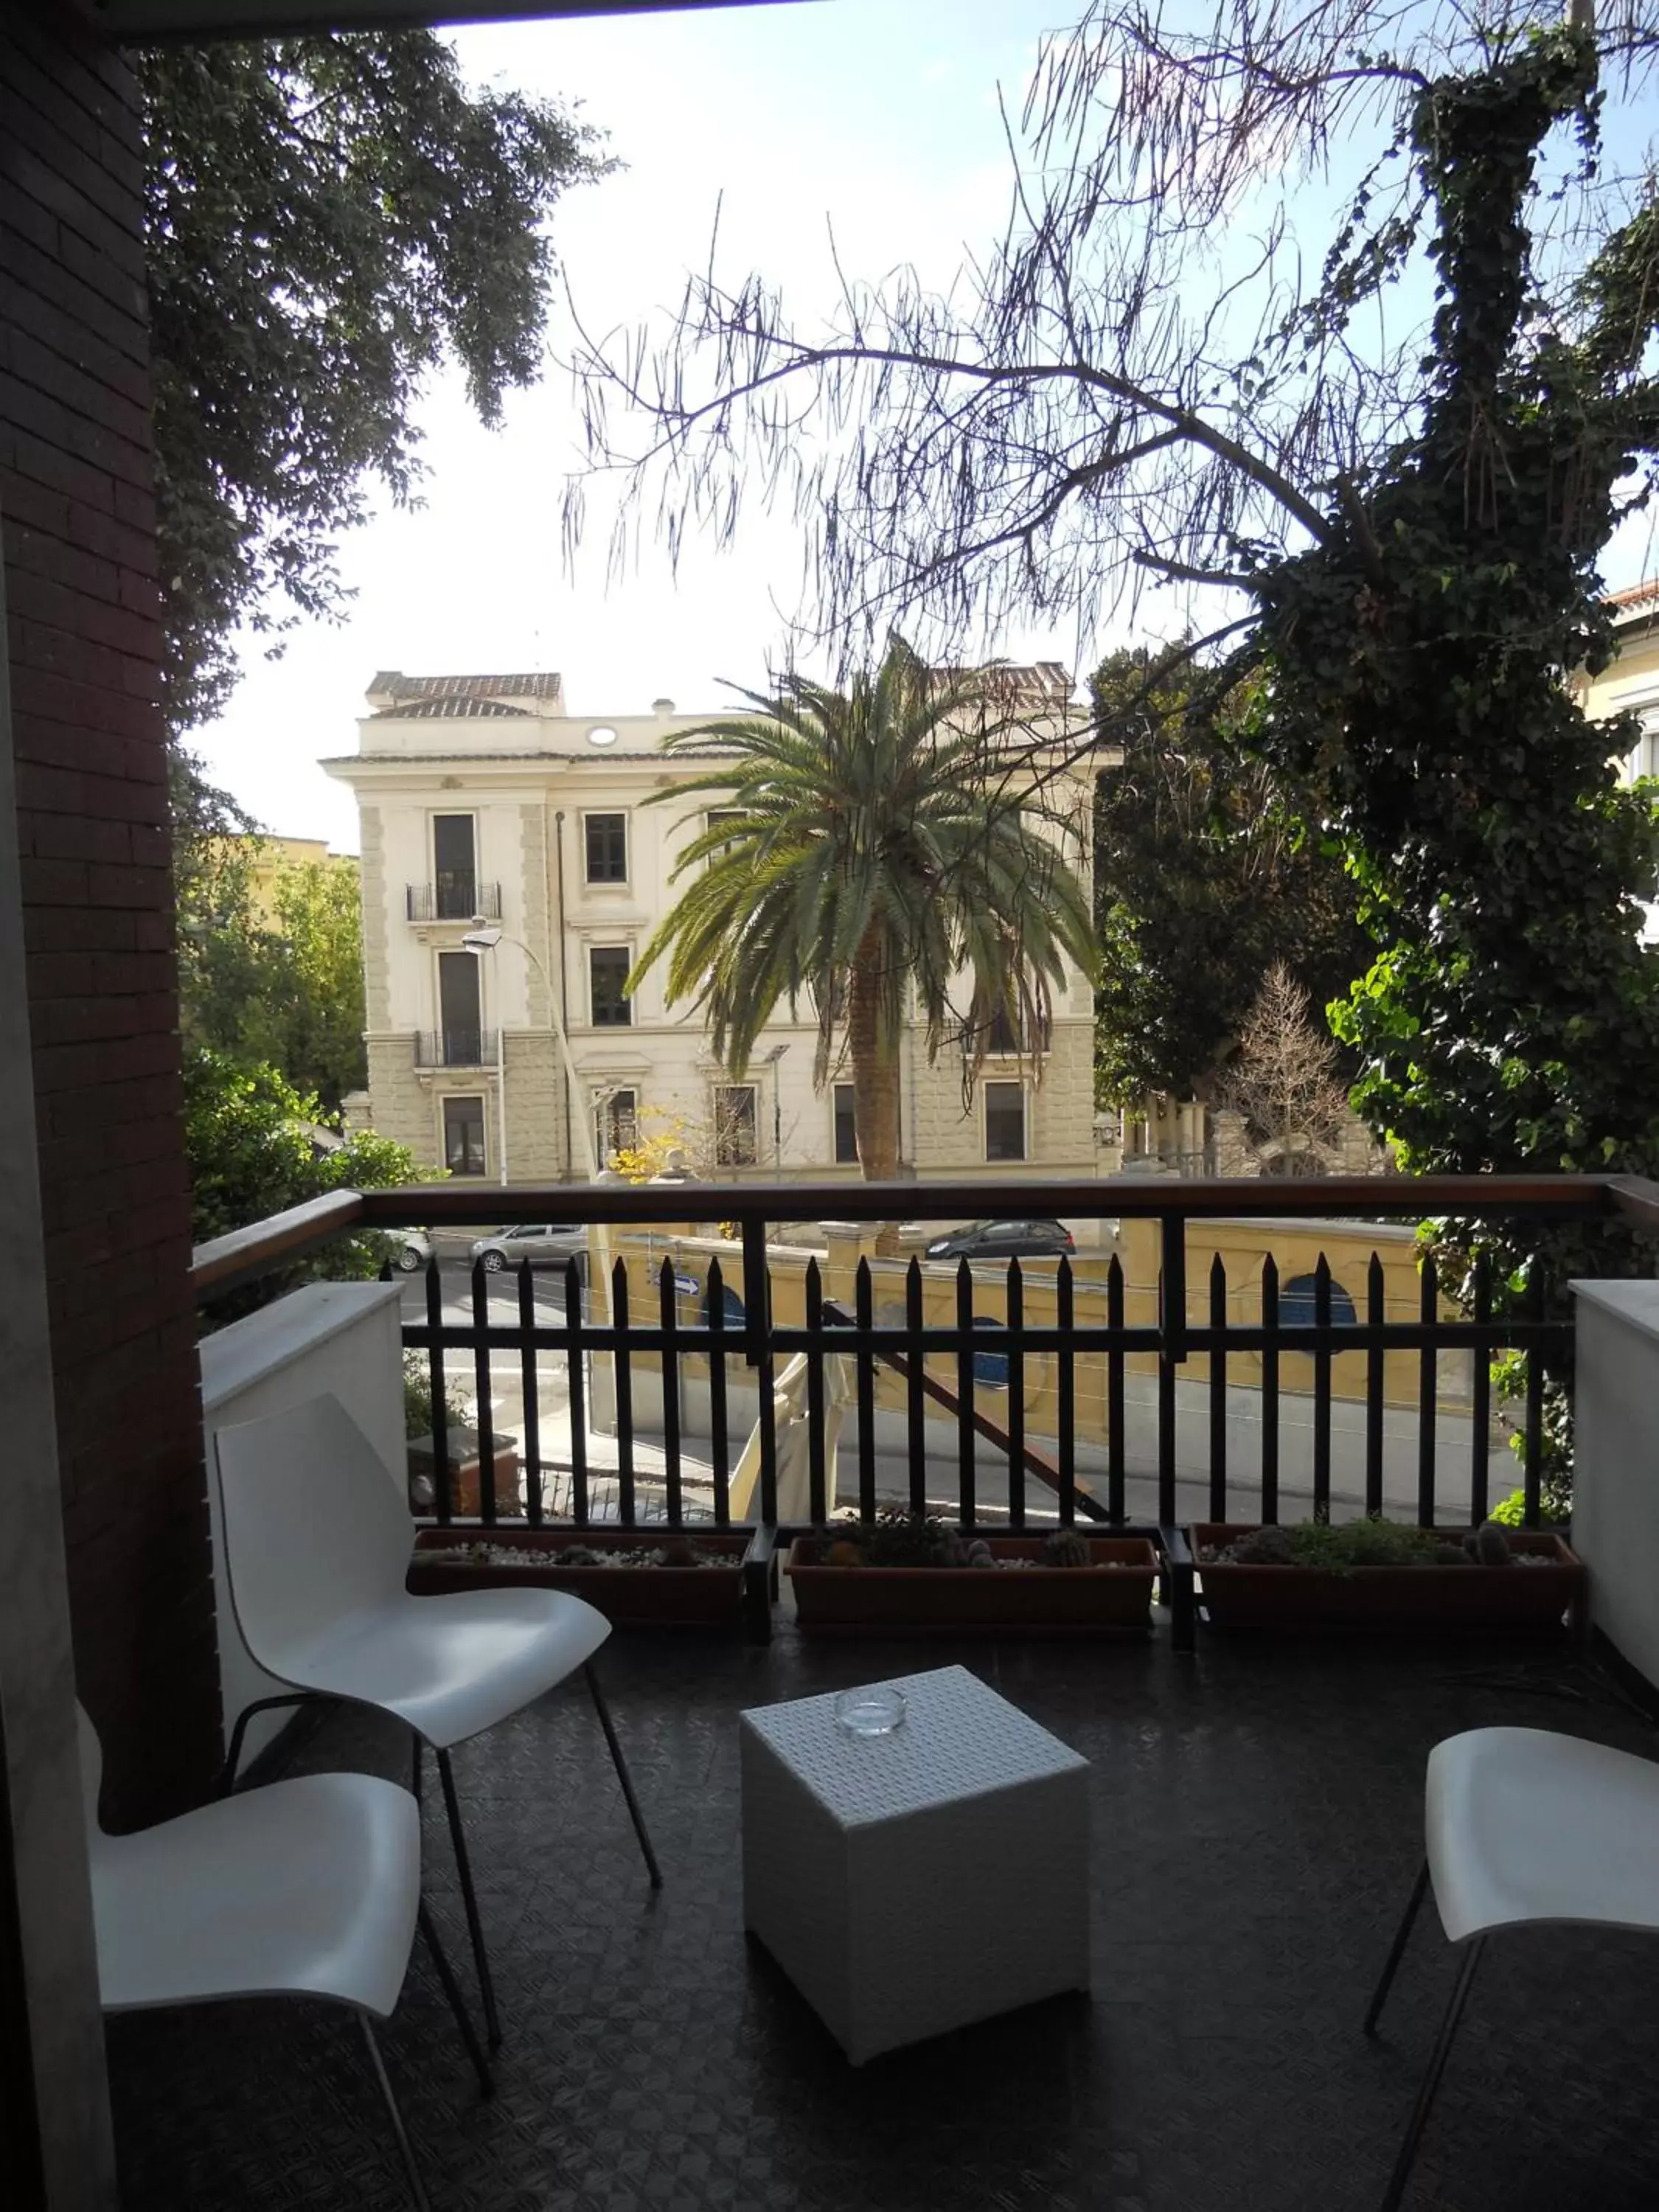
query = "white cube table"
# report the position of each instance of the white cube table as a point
(915, 1883)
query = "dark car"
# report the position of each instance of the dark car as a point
(1003, 1240)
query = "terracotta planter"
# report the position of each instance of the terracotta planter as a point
(648, 1597)
(465, 1470)
(1114, 1594)
(1410, 1601)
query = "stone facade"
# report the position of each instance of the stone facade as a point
(570, 836)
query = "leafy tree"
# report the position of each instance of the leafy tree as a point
(307, 1015)
(1402, 522)
(328, 218)
(1210, 869)
(248, 1134)
(868, 849)
(274, 980)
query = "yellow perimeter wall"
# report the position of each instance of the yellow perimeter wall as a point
(1243, 1245)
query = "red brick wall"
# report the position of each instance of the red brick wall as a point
(77, 524)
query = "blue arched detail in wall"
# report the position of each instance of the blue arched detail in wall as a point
(730, 1303)
(1296, 1306)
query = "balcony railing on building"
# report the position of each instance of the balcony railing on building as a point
(678, 1377)
(457, 1048)
(452, 898)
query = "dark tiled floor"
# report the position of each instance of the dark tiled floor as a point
(1257, 1819)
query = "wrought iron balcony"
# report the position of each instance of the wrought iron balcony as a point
(466, 1048)
(452, 898)
(1258, 1815)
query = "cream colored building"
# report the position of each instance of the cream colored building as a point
(1630, 684)
(483, 796)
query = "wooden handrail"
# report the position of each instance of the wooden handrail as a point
(1638, 1199)
(264, 1246)
(1105, 1197)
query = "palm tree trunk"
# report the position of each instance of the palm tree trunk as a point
(874, 1048)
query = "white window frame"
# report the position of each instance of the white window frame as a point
(609, 882)
(720, 1091)
(451, 814)
(445, 1100)
(1002, 1160)
(835, 1116)
(602, 1101)
(608, 945)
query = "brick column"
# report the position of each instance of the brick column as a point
(77, 531)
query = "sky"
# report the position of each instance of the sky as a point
(881, 114)
(884, 113)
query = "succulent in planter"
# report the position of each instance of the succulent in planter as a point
(1064, 1547)
(1340, 1548)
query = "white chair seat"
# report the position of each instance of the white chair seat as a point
(317, 1540)
(1523, 1826)
(452, 1666)
(306, 1887)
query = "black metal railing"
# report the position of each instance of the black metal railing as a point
(465, 1048)
(1153, 1369)
(456, 898)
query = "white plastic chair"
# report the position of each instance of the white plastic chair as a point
(1523, 1828)
(307, 1888)
(317, 1548)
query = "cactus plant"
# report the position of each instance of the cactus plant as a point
(1064, 1547)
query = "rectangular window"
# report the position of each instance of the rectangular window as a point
(734, 1125)
(846, 1140)
(1004, 1121)
(460, 1025)
(454, 867)
(615, 1124)
(464, 1136)
(607, 848)
(607, 971)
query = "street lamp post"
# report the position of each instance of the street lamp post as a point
(772, 1059)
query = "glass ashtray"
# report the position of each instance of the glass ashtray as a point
(875, 1710)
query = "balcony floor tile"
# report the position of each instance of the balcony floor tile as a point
(1257, 1821)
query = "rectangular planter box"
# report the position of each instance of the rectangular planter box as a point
(1408, 1601)
(1114, 1594)
(465, 1471)
(643, 1597)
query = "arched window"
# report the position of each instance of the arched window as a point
(1296, 1303)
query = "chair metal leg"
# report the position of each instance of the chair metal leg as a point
(233, 1756)
(623, 1776)
(1401, 1936)
(419, 1742)
(1436, 2066)
(469, 1899)
(416, 2190)
(456, 2004)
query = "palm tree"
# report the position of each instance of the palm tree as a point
(868, 846)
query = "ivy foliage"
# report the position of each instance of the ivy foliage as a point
(1416, 669)
(327, 219)
(1208, 874)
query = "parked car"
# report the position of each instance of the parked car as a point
(414, 1249)
(1003, 1240)
(546, 1245)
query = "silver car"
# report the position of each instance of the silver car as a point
(548, 1245)
(414, 1249)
